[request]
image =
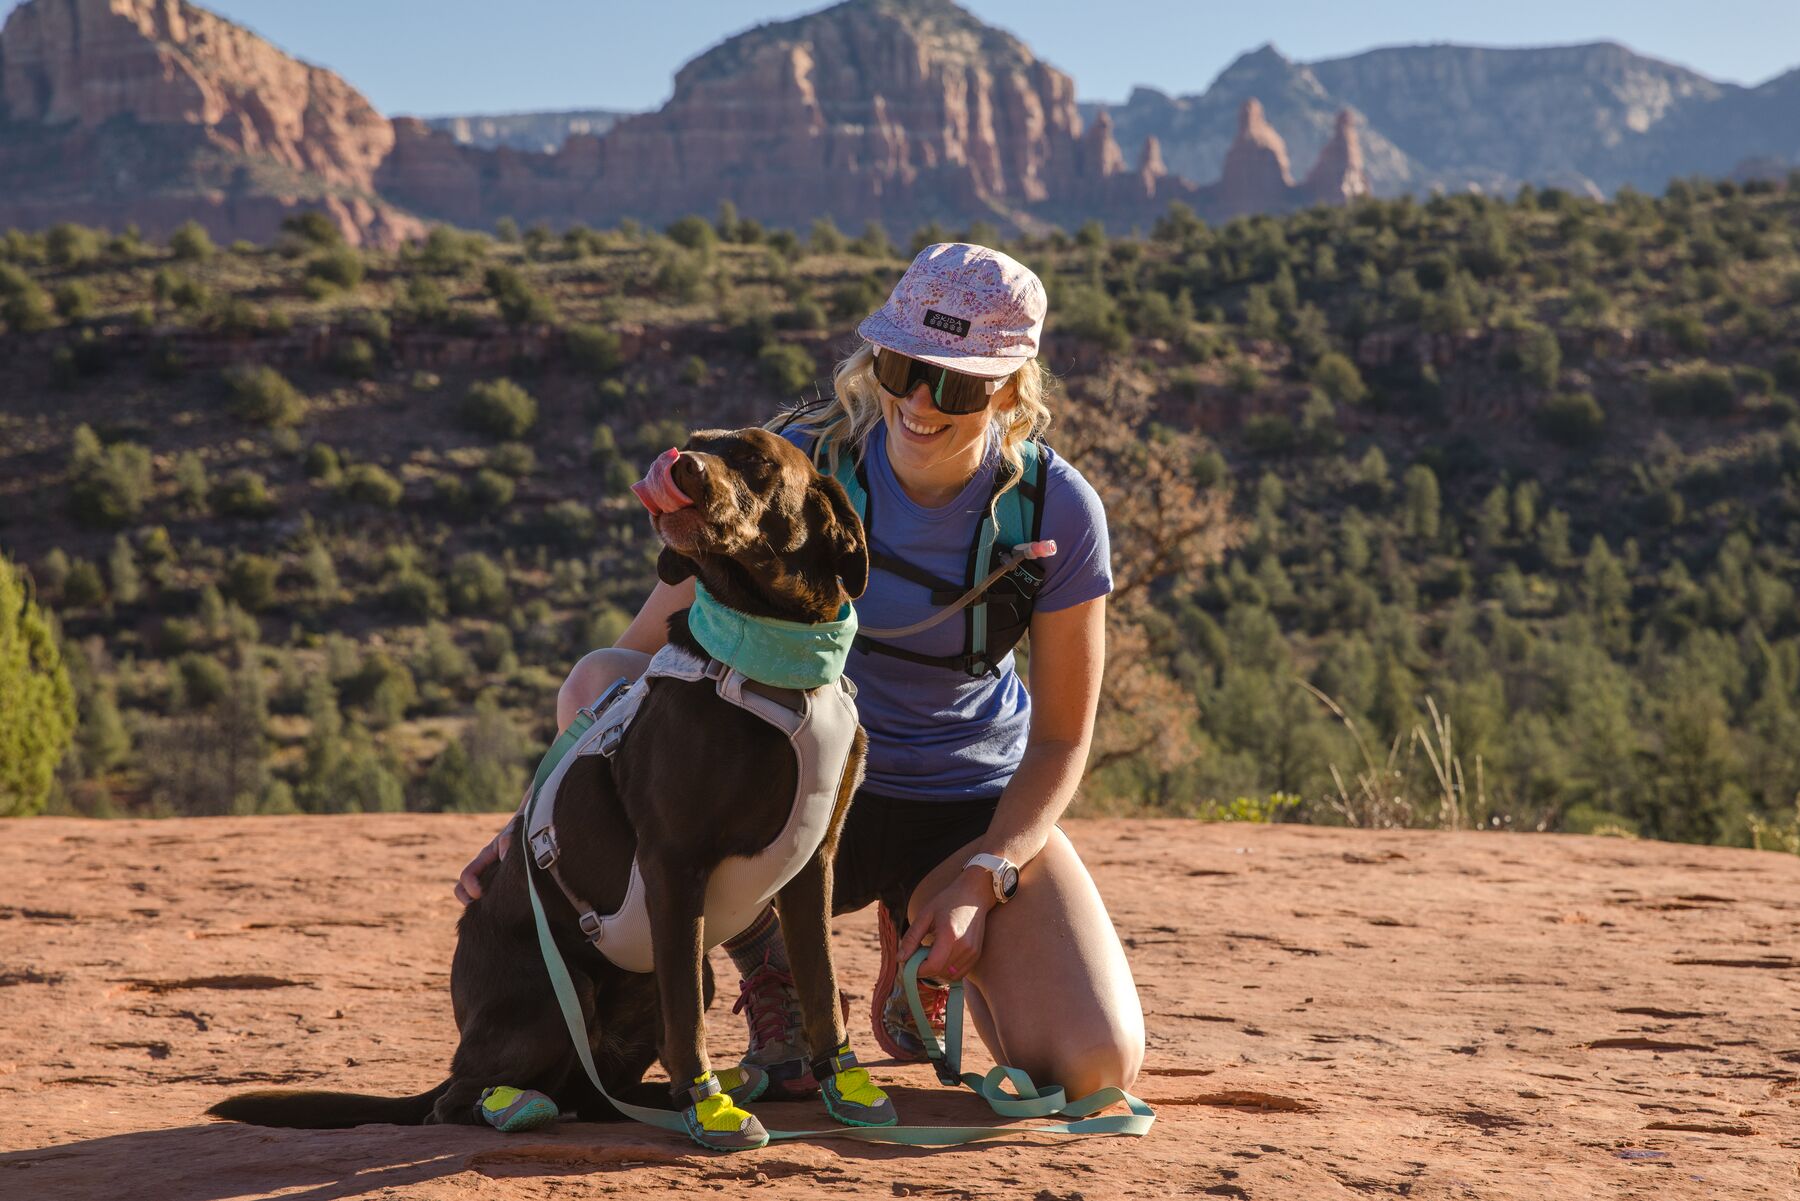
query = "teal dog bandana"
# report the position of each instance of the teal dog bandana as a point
(785, 654)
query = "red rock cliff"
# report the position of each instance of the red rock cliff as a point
(206, 105)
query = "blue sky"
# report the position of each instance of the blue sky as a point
(445, 56)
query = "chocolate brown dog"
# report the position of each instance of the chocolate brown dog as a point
(768, 537)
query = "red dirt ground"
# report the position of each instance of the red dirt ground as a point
(1331, 1014)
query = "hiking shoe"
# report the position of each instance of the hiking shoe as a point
(778, 1048)
(889, 1014)
(510, 1110)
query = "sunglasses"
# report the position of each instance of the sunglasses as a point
(952, 392)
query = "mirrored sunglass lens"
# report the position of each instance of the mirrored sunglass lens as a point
(960, 393)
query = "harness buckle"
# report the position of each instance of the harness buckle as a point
(613, 691)
(544, 848)
(590, 924)
(609, 741)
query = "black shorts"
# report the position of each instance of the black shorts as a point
(888, 845)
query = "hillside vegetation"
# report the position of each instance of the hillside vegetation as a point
(1467, 511)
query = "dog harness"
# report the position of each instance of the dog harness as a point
(1002, 579)
(820, 725)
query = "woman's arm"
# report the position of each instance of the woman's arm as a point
(1068, 651)
(648, 632)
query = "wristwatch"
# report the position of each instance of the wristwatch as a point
(1004, 872)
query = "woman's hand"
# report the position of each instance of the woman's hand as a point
(468, 885)
(952, 924)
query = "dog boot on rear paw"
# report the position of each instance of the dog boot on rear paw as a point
(716, 1123)
(744, 1083)
(850, 1096)
(510, 1110)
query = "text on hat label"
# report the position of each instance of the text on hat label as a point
(947, 323)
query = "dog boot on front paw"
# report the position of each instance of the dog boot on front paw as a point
(714, 1120)
(719, 1125)
(510, 1110)
(744, 1083)
(850, 1096)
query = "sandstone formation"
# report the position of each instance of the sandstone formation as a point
(156, 111)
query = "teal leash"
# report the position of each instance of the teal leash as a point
(1026, 1101)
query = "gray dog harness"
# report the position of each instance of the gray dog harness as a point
(820, 725)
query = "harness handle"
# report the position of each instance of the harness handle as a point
(1018, 555)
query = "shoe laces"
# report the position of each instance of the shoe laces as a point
(768, 993)
(931, 997)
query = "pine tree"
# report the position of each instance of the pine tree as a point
(37, 702)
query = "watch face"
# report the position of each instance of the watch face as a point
(1009, 881)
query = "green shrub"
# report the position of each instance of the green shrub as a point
(1088, 313)
(594, 348)
(190, 242)
(1339, 378)
(568, 524)
(477, 585)
(489, 491)
(512, 458)
(693, 232)
(250, 581)
(203, 679)
(519, 303)
(1572, 418)
(243, 493)
(322, 464)
(500, 409)
(28, 309)
(107, 486)
(71, 245)
(1787, 368)
(425, 300)
(83, 587)
(786, 368)
(412, 594)
(314, 228)
(1270, 434)
(339, 269)
(353, 358)
(369, 484)
(76, 301)
(263, 396)
(1697, 390)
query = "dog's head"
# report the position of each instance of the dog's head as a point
(745, 511)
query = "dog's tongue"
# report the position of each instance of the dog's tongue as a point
(657, 489)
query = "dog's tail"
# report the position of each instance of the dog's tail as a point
(309, 1109)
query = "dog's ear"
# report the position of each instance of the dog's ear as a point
(842, 532)
(672, 566)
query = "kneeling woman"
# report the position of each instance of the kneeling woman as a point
(954, 831)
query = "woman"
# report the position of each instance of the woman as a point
(955, 826)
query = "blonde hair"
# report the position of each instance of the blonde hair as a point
(845, 421)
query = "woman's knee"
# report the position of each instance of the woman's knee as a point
(1104, 1063)
(593, 675)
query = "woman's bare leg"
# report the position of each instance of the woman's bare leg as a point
(1052, 993)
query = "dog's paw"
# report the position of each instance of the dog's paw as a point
(510, 1110)
(719, 1125)
(744, 1083)
(852, 1098)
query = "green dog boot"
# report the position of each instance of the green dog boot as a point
(510, 1110)
(850, 1096)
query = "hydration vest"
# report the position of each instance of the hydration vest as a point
(993, 625)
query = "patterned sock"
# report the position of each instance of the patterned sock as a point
(760, 943)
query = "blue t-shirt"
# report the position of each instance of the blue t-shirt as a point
(935, 733)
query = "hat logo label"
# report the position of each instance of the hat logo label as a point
(944, 321)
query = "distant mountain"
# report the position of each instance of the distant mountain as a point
(1592, 118)
(540, 132)
(900, 112)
